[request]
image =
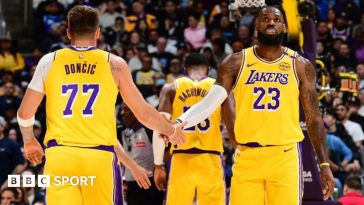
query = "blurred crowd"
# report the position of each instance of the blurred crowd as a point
(154, 37)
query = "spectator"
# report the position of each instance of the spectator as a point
(136, 61)
(361, 98)
(195, 35)
(138, 12)
(137, 142)
(33, 59)
(345, 57)
(8, 77)
(323, 33)
(174, 71)
(22, 198)
(10, 59)
(337, 129)
(8, 195)
(9, 101)
(116, 34)
(108, 17)
(163, 45)
(226, 28)
(162, 55)
(341, 28)
(14, 135)
(353, 128)
(145, 77)
(32, 195)
(207, 52)
(354, 105)
(237, 45)
(360, 71)
(352, 191)
(11, 157)
(243, 34)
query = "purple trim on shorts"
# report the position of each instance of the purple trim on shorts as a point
(118, 194)
(300, 167)
(169, 165)
(54, 143)
(196, 151)
(223, 177)
(255, 144)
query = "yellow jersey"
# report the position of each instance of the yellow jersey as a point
(205, 135)
(81, 95)
(267, 100)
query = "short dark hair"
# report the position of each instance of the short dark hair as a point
(195, 59)
(353, 182)
(83, 20)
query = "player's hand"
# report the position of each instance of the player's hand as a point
(141, 176)
(327, 181)
(178, 137)
(160, 177)
(33, 151)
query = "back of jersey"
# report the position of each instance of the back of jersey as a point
(81, 95)
(206, 135)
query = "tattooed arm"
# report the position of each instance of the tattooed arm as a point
(315, 125)
(226, 77)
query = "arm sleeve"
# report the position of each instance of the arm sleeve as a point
(204, 108)
(158, 146)
(41, 72)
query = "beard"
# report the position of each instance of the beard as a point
(270, 40)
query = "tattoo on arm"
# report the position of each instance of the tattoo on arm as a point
(314, 122)
(114, 67)
(229, 70)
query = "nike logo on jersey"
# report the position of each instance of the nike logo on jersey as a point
(251, 64)
(286, 150)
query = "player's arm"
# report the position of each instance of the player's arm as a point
(226, 76)
(139, 173)
(228, 116)
(28, 107)
(315, 125)
(165, 108)
(144, 112)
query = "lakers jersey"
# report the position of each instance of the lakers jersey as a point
(267, 100)
(205, 135)
(81, 95)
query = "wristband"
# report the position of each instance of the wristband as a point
(324, 164)
(25, 123)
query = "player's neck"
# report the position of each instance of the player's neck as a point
(83, 43)
(197, 76)
(269, 53)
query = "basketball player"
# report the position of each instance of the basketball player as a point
(268, 82)
(81, 85)
(196, 166)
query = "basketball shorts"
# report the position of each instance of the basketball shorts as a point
(269, 175)
(83, 176)
(196, 176)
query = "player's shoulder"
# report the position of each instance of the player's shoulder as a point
(49, 57)
(117, 63)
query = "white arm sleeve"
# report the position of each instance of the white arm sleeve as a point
(41, 72)
(158, 145)
(206, 107)
(158, 149)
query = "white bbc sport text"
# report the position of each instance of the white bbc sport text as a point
(45, 180)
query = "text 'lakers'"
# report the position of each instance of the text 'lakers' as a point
(267, 77)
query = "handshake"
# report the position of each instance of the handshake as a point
(177, 137)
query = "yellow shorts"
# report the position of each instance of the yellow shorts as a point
(74, 163)
(267, 176)
(199, 176)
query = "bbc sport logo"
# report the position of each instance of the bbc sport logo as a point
(45, 181)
